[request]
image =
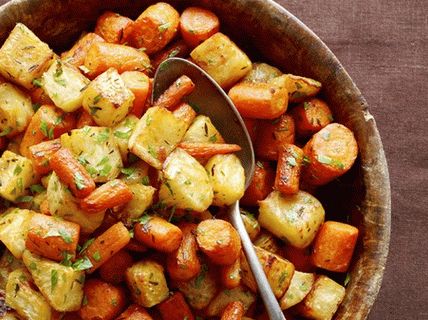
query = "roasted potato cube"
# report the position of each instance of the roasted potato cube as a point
(323, 300)
(200, 290)
(24, 57)
(107, 99)
(15, 110)
(142, 199)
(185, 183)
(227, 177)
(300, 285)
(16, 175)
(122, 132)
(223, 298)
(8, 263)
(301, 88)
(262, 72)
(137, 172)
(96, 150)
(27, 302)
(14, 225)
(251, 224)
(203, 130)
(278, 270)
(61, 285)
(222, 59)
(156, 135)
(147, 283)
(64, 85)
(268, 241)
(293, 218)
(62, 204)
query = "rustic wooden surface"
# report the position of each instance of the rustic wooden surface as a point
(384, 47)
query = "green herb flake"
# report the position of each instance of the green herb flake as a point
(36, 106)
(306, 160)
(201, 276)
(103, 136)
(66, 260)
(32, 266)
(86, 245)
(195, 107)
(164, 27)
(84, 300)
(54, 279)
(97, 98)
(65, 236)
(24, 199)
(79, 181)
(82, 264)
(114, 302)
(5, 132)
(18, 170)
(291, 161)
(37, 188)
(173, 53)
(306, 105)
(96, 256)
(144, 219)
(105, 170)
(93, 110)
(128, 171)
(37, 83)
(44, 128)
(123, 134)
(152, 152)
(166, 183)
(213, 138)
(347, 279)
(283, 277)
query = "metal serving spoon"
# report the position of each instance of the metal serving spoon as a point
(209, 99)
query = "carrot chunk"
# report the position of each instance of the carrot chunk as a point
(185, 112)
(106, 245)
(159, 234)
(52, 238)
(110, 26)
(181, 87)
(233, 311)
(139, 84)
(111, 194)
(230, 276)
(311, 116)
(290, 161)
(76, 55)
(334, 246)
(175, 308)
(135, 312)
(85, 119)
(300, 258)
(175, 49)
(207, 150)
(261, 184)
(197, 25)
(113, 269)
(41, 153)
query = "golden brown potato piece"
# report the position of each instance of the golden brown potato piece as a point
(110, 26)
(76, 55)
(329, 154)
(154, 28)
(102, 56)
(219, 240)
(301, 88)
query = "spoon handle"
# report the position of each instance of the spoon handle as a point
(270, 302)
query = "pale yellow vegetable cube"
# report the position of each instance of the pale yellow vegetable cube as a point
(29, 303)
(107, 99)
(24, 57)
(227, 178)
(156, 135)
(224, 297)
(62, 204)
(185, 183)
(122, 132)
(147, 283)
(300, 285)
(137, 172)
(293, 218)
(142, 199)
(16, 175)
(64, 84)
(301, 88)
(251, 224)
(96, 150)
(61, 285)
(14, 225)
(202, 130)
(15, 110)
(222, 59)
(8, 263)
(262, 72)
(247, 277)
(323, 300)
(268, 241)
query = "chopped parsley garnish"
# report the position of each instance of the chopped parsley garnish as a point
(47, 132)
(164, 27)
(128, 171)
(54, 279)
(291, 161)
(123, 134)
(96, 256)
(37, 83)
(86, 245)
(145, 181)
(24, 199)
(213, 138)
(5, 132)
(18, 170)
(82, 264)
(79, 181)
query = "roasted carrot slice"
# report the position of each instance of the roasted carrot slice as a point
(183, 264)
(72, 173)
(273, 134)
(47, 123)
(198, 24)
(181, 87)
(139, 84)
(185, 112)
(334, 246)
(230, 276)
(329, 154)
(252, 126)
(136, 246)
(261, 184)
(41, 153)
(311, 116)
(290, 161)
(101, 300)
(110, 26)
(76, 55)
(85, 119)
(175, 308)
(111, 194)
(52, 238)
(158, 233)
(175, 49)
(206, 150)
(300, 258)
(233, 311)
(134, 312)
(219, 240)
(39, 97)
(113, 269)
(106, 245)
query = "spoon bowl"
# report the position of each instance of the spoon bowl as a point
(209, 99)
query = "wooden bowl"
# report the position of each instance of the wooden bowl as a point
(270, 34)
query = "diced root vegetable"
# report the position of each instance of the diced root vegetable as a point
(261, 184)
(197, 25)
(233, 311)
(311, 116)
(41, 153)
(110, 26)
(76, 55)
(207, 150)
(290, 161)
(172, 96)
(175, 308)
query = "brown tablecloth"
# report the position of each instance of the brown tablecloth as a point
(383, 44)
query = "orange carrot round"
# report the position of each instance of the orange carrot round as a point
(198, 24)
